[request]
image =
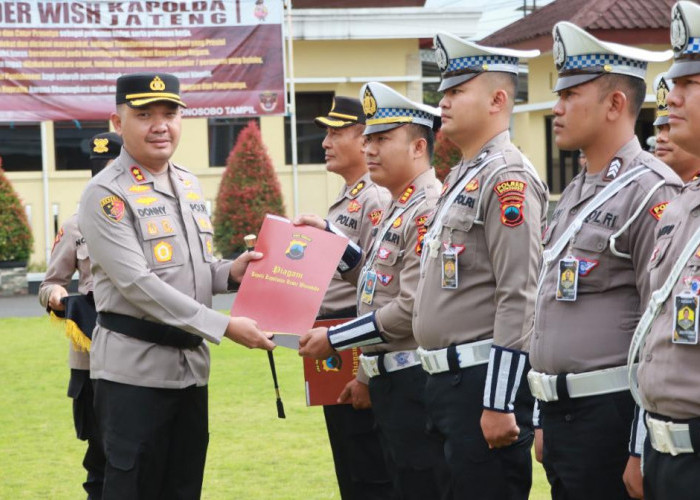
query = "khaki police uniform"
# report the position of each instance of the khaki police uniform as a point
(598, 273)
(356, 212)
(358, 456)
(668, 371)
(154, 272)
(387, 277)
(475, 299)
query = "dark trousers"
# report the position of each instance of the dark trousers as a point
(80, 390)
(586, 446)
(415, 457)
(671, 478)
(155, 440)
(357, 454)
(455, 405)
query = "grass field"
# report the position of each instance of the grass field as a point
(252, 454)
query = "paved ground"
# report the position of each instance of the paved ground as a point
(28, 305)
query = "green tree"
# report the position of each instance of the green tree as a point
(15, 233)
(249, 189)
(446, 156)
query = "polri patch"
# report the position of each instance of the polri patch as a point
(657, 210)
(113, 207)
(375, 216)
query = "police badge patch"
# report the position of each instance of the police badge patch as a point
(113, 207)
(297, 246)
(558, 51)
(679, 31)
(511, 194)
(369, 103)
(441, 57)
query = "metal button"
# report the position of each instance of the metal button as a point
(568, 417)
(648, 357)
(600, 245)
(573, 211)
(695, 212)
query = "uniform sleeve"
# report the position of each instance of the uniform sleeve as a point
(643, 237)
(220, 272)
(62, 264)
(514, 212)
(116, 249)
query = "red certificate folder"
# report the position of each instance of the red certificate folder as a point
(283, 291)
(326, 378)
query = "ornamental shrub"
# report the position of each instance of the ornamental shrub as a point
(15, 233)
(446, 156)
(249, 189)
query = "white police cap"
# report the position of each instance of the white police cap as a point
(386, 109)
(580, 57)
(461, 60)
(685, 40)
(662, 87)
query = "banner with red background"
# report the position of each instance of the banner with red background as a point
(59, 60)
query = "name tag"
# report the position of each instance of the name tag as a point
(567, 282)
(685, 323)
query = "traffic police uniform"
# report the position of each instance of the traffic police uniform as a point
(475, 298)
(386, 280)
(594, 276)
(154, 272)
(668, 363)
(70, 253)
(357, 451)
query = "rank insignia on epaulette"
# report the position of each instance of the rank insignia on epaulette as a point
(136, 174)
(657, 210)
(613, 169)
(421, 220)
(408, 192)
(397, 222)
(375, 216)
(354, 206)
(445, 187)
(585, 266)
(358, 187)
(59, 235)
(135, 188)
(472, 185)
(112, 207)
(385, 279)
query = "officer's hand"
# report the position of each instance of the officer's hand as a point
(539, 445)
(57, 293)
(310, 220)
(632, 478)
(315, 344)
(241, 264)
(499, 428)
(245, 331)
(357, 393)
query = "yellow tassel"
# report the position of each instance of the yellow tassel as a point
(80, 342)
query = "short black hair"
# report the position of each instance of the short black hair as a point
(422, 132)
(634, 88)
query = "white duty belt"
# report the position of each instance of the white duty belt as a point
(658, 297)
(578, 385)
(388, 362)
(669, 437)
(471, 354)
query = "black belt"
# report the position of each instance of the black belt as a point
(348, 312)
(149, 331)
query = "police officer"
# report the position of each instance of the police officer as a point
(398, 150)
(594, 268)
(475, 298)
(150, 240)
(669, 367)
(70, 253)
(357, 452)
(683, 163)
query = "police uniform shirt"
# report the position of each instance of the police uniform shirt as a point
(385, 324)
(669, 372)
(498, 257)
(356, 211)
(69, 254)
(594, 331)
(152, 258)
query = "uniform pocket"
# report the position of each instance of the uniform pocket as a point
(122, 454)
(206, 235)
